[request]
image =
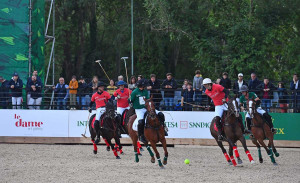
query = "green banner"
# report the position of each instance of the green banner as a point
(286, 124)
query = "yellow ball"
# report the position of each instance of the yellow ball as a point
(187, 161)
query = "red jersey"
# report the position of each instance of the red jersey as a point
(123, 101)
(216, 94)
(99, 99)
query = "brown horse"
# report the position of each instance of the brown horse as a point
(233, 133)
(154, 133)
(261, 131)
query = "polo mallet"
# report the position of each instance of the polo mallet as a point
(86, 126)
(98, 61)
(124, 59)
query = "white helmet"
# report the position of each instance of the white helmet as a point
(206, 81)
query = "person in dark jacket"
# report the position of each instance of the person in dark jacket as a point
(62, 94)
(225, 81)
(253, 83)
(187, 95)
(16, 85)
(238, 84)
(197, 87)
(154, 88)
(283, 95)
(4, 93)
(83, 93)
(34, 88)
(266, 88)
(169, 86)
(34, 73)
(295, 87)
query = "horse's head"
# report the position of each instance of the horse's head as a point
(251, 105)
(232, 107)
(110, 110)
(150, 107)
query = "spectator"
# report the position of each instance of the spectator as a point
(185, 84)
(187, 96)
(4, 93)
(266, 89)
(34, 88)
(282, 94)
(111, 88)
(83, 97)
(197, 87)
(225, 81)
(169, 85)
(34, 73)
(73, 86)
(253, 83)
(237, 86)
(154, 88)
(93, 85)
(120, 78)
(218, 81)
(61, 91)
(140, 77)
(16, 85)
(132, 84)
(295, 87)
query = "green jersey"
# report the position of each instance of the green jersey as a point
(137, 98)
(243, 99)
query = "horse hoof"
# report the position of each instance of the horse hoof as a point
(275, 164)
(252, 162)
(108, 148)
(162, 167)
(141, 149)
(276, 154)
(95, 152)
(165, 162)
(137, 160)
(230, 163)
(240, 161)
(152, 160)
(261, 160)
(118, 157)
(122, 153)
(140, 154)
(97, 141)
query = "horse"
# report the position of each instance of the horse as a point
(108, 129)
(233, 133)
(261, 131)
(154, 132)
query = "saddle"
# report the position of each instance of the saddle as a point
(222, 122)
(101, 119)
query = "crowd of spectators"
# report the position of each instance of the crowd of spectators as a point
(77, 94)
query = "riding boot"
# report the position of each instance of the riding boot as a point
(97, 129)
(161, 117)
(240, 120)
(268, 119)
(141, 127)
(248, 121)
(219, 126)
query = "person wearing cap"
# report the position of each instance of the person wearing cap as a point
(101, 97)
(169, 86)
(82, 93)
(4, 93)
(219, 96)
(34, 88)
(62, 93)
(137, 98)
(246, 95)
(225, 81)
(238, 85)
(16, 85)
(34, 73)
(122, 96)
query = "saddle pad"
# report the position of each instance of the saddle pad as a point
(93, 126)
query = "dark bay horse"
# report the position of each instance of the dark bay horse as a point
(261, 131)
(233, 133)
(108, 129)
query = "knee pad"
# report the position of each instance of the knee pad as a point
(96, 124)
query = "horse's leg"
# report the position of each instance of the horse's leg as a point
(271, 146)
(231, 155)
(134, 139)
(107, 144)
(220, 144)
(254, 141)
(270, 153)
(139, 148)
(150, 152)
(164, 144)
(237, 155)
(118, 145)
(243, 141)
(153, 145)
(113, 149)
(95, 146)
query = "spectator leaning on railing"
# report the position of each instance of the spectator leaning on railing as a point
(169, 86)
(73, 86)
(16, 85)
(237, 86)
(253, 83)
(187, 95)
(197, 87)
(266, 88)
(83, 98)
(132, 84)
(34, 73)
(34, 88)
(61, 91)
(111, 88)
(154, 88)
(225, 81)
(4, 93)
(295, 87)
(282, 94)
